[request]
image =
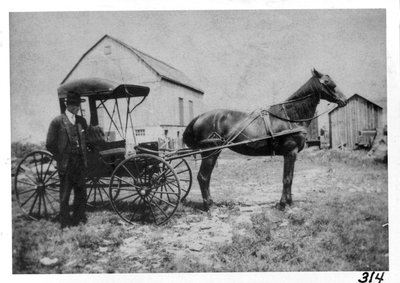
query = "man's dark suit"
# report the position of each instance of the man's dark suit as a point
(71, 165)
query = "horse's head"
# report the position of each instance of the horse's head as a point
(329, 91)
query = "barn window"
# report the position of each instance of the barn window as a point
(190, 109)
(107, 50)
(181, 113)
(140, 132)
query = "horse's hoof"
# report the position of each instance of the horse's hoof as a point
(207, 204)
(289, 202)
(280, 206)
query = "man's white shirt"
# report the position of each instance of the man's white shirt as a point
(70, 116)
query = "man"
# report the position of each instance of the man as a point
(67, 142)
(165, 141)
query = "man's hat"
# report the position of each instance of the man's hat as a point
(74, 98)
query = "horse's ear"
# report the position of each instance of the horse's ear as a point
(315, 73)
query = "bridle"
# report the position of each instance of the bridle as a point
(325, 88)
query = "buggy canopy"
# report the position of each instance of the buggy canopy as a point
(99, 88)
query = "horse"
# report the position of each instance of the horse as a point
(234, 128)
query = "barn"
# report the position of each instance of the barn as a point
(173, 100)
(359, 114)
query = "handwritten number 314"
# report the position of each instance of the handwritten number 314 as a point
(366, 276)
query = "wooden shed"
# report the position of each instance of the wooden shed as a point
(359, 114)
(173, 99)
(312, 130)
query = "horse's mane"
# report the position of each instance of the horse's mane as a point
(300, 109)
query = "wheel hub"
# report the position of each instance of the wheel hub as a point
(144, 191)
(40, 188)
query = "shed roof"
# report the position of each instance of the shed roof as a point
(163, 70)
(354, 96)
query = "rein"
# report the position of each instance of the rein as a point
(296, 120)
(296, 100)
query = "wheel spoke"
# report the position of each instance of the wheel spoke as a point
(44, 205)
(164, 201)
(40, 202)
(177, 165)
(52, 189)
(24, 192)
(56, 183)
(104, 191)
(163, 187)
(156, 205)
(105, 184)
(36, 167)
(88, 196)
(123, 189)
(165, 193)
(51, 204)
(94, 193)
(127, 197)
(154, 216)
(126, 182)
(137, 208)
(48, 167)
(183, 171)
(28, 199)
(101, 196)
(29, 184)
(50, 176)
(29, 177)
(33, 205)
(41, 168)
(53, 197)
(171, 183)
(129, 172)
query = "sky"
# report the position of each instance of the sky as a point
(242, 59)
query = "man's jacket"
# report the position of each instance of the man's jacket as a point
(58, 139)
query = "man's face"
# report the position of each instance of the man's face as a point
(73, 108)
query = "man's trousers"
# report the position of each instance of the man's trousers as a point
(73, 178)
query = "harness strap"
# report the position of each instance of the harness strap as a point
(286, 114)
(298, 120)
(268, 127)
(267, 123)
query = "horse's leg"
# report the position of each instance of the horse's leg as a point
(288, 169)
(204, 176)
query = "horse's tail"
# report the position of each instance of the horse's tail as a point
(189, 134)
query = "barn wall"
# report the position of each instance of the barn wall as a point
(168, 106)
(346, 122)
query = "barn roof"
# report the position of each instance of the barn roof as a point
(163, 70)
(354, 96)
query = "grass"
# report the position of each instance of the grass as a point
(332, 236)
(335, 224)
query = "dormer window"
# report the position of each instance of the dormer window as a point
(107, 50)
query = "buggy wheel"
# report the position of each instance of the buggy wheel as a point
(97, 191)
(184, 173)
(144, 188)
(37, 185)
